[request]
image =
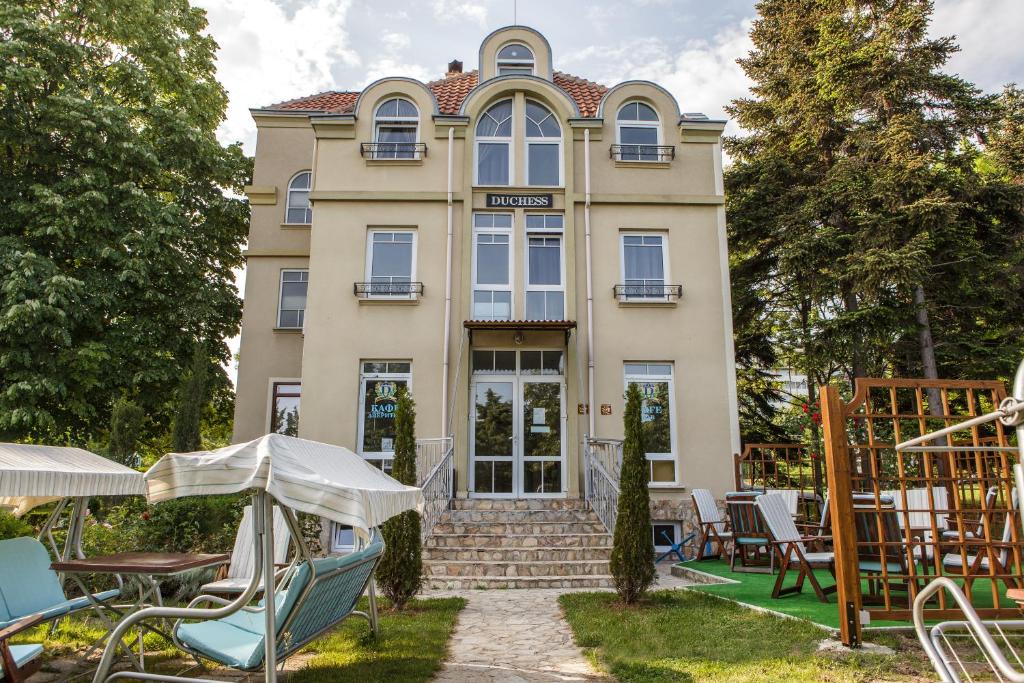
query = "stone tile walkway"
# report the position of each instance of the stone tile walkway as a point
(513, 636)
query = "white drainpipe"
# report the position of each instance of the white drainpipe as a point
(590, 284)
(447, 291)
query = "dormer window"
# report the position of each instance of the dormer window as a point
(639, 134)
(515, 59)
(396, 129)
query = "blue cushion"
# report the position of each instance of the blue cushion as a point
(23, 654)
(224, 643)
(875, 566)
(27, 583)
(66, 607)
(752, 541)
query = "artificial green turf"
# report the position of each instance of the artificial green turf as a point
(688, 636)
(756, 589)
(411, 647)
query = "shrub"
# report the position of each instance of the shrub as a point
(12, 527)
(126, 422)
(400, 572)
(192, 396)
(632, 561)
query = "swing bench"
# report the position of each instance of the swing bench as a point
(314, 594)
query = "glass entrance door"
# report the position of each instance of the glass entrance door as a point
(517, 424)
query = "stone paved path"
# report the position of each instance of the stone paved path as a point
(509, 636)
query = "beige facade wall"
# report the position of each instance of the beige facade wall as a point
(681, 199)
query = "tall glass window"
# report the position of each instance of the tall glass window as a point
(396, 126)
(543, 146)
(494, 145)
(492, 266)
(644, 266)
(291, 308)
(297, 207)
(284, 408)
(545, 265)
(657, 389)
(639, 132)
(379, 385)
(391, 263)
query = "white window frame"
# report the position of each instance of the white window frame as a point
(639, 378)
(363, 378)
(397, 121)
(369, 263)
(530, 63)
(488, 139)
(280, 299)
(558, 232)
(272, 382)
(659, 543)
(553, 141)
(288, 198)
(664, 261)
(619, 125)
(477, 287)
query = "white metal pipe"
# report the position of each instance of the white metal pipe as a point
(447, 289)
(270, 609)
(590, 285)
(966, 424)
(1018, 393)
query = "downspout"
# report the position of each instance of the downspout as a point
(447, 291)
(590, 284)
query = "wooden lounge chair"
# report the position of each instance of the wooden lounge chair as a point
(713, 528)
(881, 546)
(750, 540)
(973, 525)
(29, 587)
(976, 565)
(238, 572)
(19, 661)
(790, 547)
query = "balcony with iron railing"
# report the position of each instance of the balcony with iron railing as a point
(393, 151)
(643, 154)
(388, 290)
(647, 293)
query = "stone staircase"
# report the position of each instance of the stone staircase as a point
(537, 543)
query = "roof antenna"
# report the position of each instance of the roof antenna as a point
(515, 12)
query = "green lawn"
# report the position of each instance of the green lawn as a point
(687, 636)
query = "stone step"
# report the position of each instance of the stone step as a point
(519, 504)
(536, 528)
(510, 569)
(489, 516)
(517, 554)
(483, 582)
(450, 540)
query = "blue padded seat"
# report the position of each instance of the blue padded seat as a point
(237, 639)
(23, 654)
(28, 585)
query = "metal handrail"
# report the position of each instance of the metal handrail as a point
(601, 484)
(642, 153)
(438, 488)
(385, 289)
(393, 150)
(647, 292)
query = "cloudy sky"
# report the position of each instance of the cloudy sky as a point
(273, 50)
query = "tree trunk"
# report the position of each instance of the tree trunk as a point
(857, 356)
(926, 346)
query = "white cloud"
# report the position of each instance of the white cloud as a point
(267, 55)
(383, 68)
(988, 32)
(452, 10)
(395, 41)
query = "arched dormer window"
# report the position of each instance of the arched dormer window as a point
(543, 146)
(396, 130)
(515, 59)
(638, 132)
(297, 207)
(494, 145)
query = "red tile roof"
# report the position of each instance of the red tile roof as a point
(450, 93)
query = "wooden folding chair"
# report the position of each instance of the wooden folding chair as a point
(713, 527)
(749, 536)
(790, 547)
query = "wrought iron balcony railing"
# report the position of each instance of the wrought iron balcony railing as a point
(376, 290)
(648, 292)
(643, 153)
(393, 150)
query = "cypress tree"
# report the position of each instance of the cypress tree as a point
(400, 572)
(192, 396)
(125, 427)
(632, 563)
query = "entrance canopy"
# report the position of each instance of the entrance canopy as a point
(329, 481)
(33, 475)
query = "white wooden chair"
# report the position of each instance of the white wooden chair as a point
(789, 547)
(713, 527)
(977, 565)
(239, 570)
(792, 497)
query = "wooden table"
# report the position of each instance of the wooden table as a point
(139, 568)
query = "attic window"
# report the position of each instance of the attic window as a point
(515, 60)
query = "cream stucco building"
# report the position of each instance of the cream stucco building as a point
(515, 245)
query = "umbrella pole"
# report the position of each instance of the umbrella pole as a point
(270, 606)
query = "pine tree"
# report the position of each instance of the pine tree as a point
(126, 424)
(632, 562)
(192, 397)
(400, 572)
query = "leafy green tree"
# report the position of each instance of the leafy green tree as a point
(118, 237)
(192, 397)
(400, 572)
(126, 424)
(632, 561)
